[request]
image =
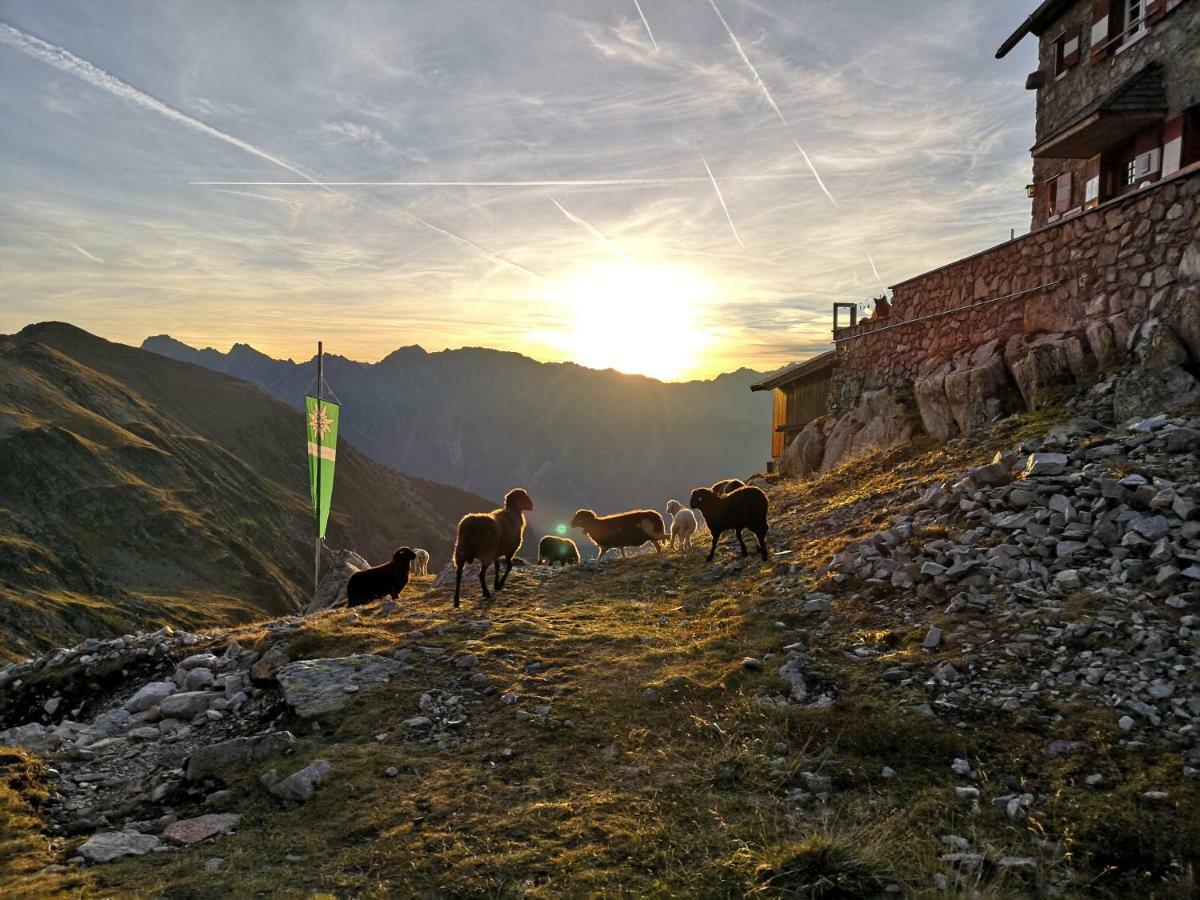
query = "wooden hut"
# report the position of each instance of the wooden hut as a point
(801, 394)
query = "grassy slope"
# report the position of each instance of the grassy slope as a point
(617, 793)
(136, 489)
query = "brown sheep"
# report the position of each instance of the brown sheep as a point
(373, 583)
(552, 549)
(490, 537)
(745, 507)
(621, 530)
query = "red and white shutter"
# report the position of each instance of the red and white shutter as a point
(1062, 193)
(1091, 186)
(1102, 19)
(1172, 151)
(1070, 47)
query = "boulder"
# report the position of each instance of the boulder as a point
(981, 394)
(933, 405)
(332, 588)
(192, 831)
(1103, 345)
(316, 687)
(186, 705)
(301, 785)
(1042, 367)
(34, 737)
(1146, 391)
(151, 694)
(109, 845)
(267, 665)
(804, 454)
(224, 759)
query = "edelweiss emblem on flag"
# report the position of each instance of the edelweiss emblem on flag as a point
(320, 422)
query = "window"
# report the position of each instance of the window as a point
(1143, 166)
(1066, 52)
(1135, 21)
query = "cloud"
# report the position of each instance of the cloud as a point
(450, 234)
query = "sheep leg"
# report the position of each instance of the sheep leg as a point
(483, 580)
(741, 542)
(501, 581)
(458, 585)
(762, 543)
(715, 540)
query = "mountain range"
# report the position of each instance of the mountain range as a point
(137, 489)
(487, 420)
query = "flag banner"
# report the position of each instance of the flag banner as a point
(322, 418)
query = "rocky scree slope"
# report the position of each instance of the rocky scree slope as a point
(135, 488)
(915, 666)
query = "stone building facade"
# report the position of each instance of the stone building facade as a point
(1107, 282)
(1118, 98)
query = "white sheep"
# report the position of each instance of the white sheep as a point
(682, 524)
(421, 563)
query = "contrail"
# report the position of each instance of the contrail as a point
(92, 256)
(535, 183)
(871, 260)
(495, 257)
(647, 24)
(256, 196)
(593, 231)
(717, 188)
(762, 86)
(66, 61)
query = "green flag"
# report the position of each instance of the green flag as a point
(322, 455)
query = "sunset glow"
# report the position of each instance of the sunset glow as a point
(643, 320)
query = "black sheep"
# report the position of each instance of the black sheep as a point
(728, 486)
(627, 529)
(373, 583)
(745, 507)
(552, 549)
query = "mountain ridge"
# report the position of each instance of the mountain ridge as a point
(583, 437)
(134, 485)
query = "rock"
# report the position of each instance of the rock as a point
(191, 831)
(804, 454)
(792, 673)
(223, 760)
(1043, 367)
(214, 864)
(933, 638)
(1146, 390)
(332, 588)
(1045, 464)
(301, 785)
(967, 793)
(1059, 748)
(198, 679)
(1125, 723)
(467, 661)
(186, 705)
(269, 663)
(151, 694)
(199, 661)
(391, 772)
(50, 707)
(316, 687)
(35, 737)
(109, 845)
(1017, 863)
(752, 664)
(887, 772)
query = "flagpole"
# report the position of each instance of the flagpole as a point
(320, 397)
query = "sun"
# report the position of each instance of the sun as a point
(637, 319)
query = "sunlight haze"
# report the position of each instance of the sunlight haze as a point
(539, 177)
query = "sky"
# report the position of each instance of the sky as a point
(672, 187)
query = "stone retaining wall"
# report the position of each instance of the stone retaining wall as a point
(1116, 288)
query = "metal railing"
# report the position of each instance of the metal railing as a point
(944, 312)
